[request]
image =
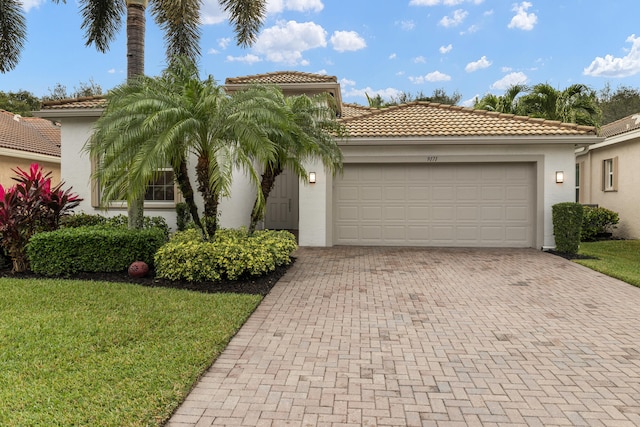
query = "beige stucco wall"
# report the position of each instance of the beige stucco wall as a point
(12, 159)
(626, 199)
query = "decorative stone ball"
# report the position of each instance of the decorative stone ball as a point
(138, 269)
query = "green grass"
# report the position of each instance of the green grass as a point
(616, 258)
(105, 354)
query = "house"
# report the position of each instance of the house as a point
(25, 140)
(607, 174)
(419, 174)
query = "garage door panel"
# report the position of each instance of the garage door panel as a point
(435, 205)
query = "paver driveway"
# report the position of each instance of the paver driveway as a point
(396, 336)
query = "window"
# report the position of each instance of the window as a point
(162, 189)
(610, 174)
(161, 193)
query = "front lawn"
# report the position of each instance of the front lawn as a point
(615, 258)
(106, 354)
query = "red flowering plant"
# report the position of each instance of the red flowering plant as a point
(30, 206)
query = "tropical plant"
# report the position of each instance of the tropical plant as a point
(575, 104)
(624, 102)
(507, 103)
(31, 206)
(309, 134)
(150, 123)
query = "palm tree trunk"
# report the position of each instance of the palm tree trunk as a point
(266, 185)
(210, 196)
(182, 178)
(135, 67)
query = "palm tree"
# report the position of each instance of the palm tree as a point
(13, 33)
(310, 134)
(151, 122)
(575, 104)
(507, 103)
(102, 20)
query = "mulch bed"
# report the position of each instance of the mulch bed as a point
(247, 285)
(571, 256)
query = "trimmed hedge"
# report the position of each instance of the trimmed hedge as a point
(231, 255)
(567, 223)
(92, 249)
(86, 220)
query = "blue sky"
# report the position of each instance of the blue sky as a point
(373, 46)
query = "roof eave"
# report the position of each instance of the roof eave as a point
(29, 155)
(71, 112)
(576, 140)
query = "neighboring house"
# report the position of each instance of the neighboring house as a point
(608, 174)
(419, 174)
(27, 140)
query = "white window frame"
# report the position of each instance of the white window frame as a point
(609, 174)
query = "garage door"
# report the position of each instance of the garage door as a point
(481, 205)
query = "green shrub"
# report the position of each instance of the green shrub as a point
(182, 216)
(567, 222)
(597, 222)
(82, 220)
(92, 249)
(86, 220)
(231, 255)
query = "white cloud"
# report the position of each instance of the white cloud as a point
(388, 93)
(456, 19)
(278, 6)
(393, 56)
(27, 5)
(322, 72)
(446, 49)
(347, 82)
(286, 41)
(420, 60)
(444, 2)
(224, 42)
(212, 51)
(510, 80)
(247, 59)
(344, 41)
(523, 20)
(435, 76)
(478, 65)
(406, 25)
(211, 13)
(611, 66)
(111, 71)
(469, 103)
(506, 69)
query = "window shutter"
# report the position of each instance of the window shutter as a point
(615, 173)
(603, 181)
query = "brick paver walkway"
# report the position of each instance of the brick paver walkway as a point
(430, 337)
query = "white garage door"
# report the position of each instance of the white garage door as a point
(462, 204)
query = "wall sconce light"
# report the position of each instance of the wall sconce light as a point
(559, 177)
(312, 177)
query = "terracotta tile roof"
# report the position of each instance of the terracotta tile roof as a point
(31, 134)
(282, 77)
(97, 101)
(618, 127)
(354, 110)
(424, 119)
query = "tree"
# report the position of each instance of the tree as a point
(624, 102)
(575, 104)
(507, 103)
(309, 134)
(59, 91)
(153, 122)
(439, 96)
(102, 20)
(21, 102)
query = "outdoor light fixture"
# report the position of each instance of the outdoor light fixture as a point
(312, 177)
(559, 177)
